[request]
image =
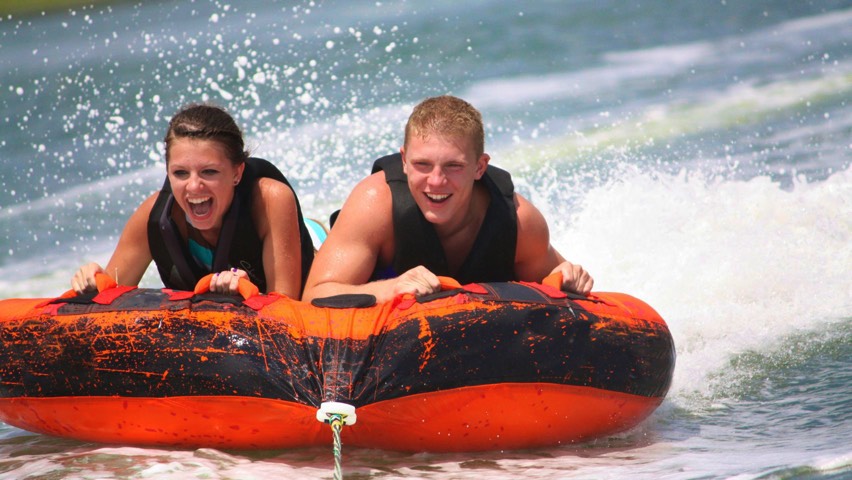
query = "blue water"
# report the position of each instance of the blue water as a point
(694, 154)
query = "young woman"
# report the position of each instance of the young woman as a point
(219, 212)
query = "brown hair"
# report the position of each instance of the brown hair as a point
(208, 122)
(447, 116)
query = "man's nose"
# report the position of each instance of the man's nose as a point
(436, 176)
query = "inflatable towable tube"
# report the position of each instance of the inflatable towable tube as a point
(477, 367)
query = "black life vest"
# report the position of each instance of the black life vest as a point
(238, 244)
(492, 258)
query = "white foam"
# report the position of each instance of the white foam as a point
(730, 265)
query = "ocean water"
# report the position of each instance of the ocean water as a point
(695, 154)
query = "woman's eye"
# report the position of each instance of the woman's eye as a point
(180, 174)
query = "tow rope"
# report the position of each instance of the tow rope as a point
(337, 414)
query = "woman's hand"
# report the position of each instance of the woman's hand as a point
(227, 281)
(84, 279)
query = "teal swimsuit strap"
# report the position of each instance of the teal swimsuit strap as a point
(202, 255)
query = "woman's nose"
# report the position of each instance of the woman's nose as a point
(194, 183)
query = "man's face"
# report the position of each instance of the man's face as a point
(441, 172)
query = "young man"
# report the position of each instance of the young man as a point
(437, 208)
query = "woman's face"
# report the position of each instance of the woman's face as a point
(202, 180)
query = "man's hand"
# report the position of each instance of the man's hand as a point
(417, 281)
(574, 278)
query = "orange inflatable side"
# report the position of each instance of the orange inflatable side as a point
(490, 417)
(478, 367)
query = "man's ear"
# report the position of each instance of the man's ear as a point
(404, 163)
(482, 165)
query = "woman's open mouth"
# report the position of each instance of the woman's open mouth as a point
(200, 207)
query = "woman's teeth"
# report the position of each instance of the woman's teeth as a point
(200, 206)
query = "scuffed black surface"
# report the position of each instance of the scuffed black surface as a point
(164, 348)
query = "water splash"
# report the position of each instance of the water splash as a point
(731, 265)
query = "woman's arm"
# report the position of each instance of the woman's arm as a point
(277, 222)
(130, 258)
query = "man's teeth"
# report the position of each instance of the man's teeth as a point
(437, 198)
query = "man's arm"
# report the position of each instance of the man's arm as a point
(535, 257)
(362, 233)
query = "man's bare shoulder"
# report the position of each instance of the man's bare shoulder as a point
(372, 187)
(367, 213)
(533, 232)
(371, 197)
(529, 217)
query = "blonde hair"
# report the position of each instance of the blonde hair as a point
(447, 116)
